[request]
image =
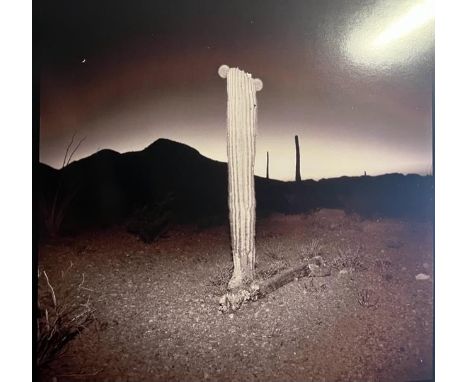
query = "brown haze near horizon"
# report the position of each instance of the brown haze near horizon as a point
(357, 92)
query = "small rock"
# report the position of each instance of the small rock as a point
(343, 271)
(231, 315)
(394, 244)
(317, 271)
(422, 276)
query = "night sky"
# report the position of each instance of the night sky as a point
(123, 74)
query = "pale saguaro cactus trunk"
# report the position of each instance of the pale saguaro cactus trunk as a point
(241, 130)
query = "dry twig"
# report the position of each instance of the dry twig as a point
(54, 299)
(367, 298)
(81, 375)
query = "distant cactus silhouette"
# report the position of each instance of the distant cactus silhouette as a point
(241, 128)
(268, 166)
(298, 159)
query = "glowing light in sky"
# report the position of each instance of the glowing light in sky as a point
(391, 33)
(418, 16)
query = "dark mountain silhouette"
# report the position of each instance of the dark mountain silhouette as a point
(109, 187)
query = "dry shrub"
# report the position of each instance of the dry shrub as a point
(153, 220)
(272, 268)
(222, 277)
(54, 206)
(274, 260)
(367, 298)
(312, 249)
(349, 259)
(384, 268)
(61, 316)
(273, 250)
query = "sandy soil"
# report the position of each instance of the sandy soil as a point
(156, 305)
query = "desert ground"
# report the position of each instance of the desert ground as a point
(155, 306)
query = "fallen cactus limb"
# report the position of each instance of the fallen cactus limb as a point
(234, 299)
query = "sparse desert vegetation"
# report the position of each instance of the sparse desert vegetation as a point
(155, 305)
(63, 312)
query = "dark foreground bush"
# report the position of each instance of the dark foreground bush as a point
(152, 221)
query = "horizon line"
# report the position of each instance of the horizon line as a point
(420, 173)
